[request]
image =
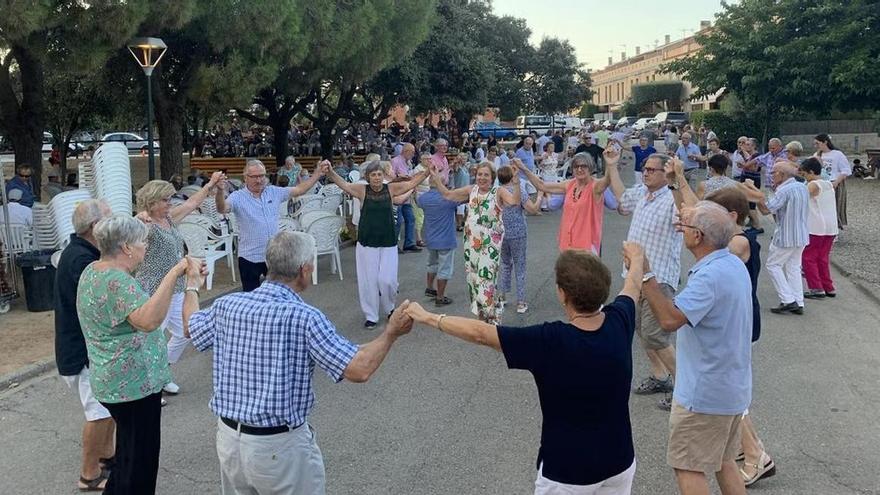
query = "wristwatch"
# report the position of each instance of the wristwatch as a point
(672, 187)
(648, 276)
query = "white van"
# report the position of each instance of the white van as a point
(538, 123)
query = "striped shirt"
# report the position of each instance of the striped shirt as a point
(653, 226)
(790, 207)
(266, 344)
(257, 219)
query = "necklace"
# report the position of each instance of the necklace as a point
(590, 315)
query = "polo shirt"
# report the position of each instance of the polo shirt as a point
(439, 220)
(70, 344)
(713, 351)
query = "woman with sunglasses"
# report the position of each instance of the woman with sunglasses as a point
(581, 225)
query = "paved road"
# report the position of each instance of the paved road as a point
(445, 417)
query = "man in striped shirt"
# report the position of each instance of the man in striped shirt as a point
(790, 208)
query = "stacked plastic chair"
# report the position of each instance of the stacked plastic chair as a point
(109, 177)
(53, 222)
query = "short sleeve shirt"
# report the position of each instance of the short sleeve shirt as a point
(586, 436)
(713, 349)
(653, 226)
(126, 364)
(514, 218)
(70, 345)
(642, 155)
(257, 219)
(439, 220)
(684, 152)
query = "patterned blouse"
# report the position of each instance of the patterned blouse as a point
(164, 250)
(126, 364)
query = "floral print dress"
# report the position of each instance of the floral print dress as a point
(483, 232)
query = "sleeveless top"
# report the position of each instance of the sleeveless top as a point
(822, 219)
(376, 226)
(581, 225)
(753, 265)
(165, 248)
(717, 182)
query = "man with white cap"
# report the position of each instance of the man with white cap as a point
(18, 213)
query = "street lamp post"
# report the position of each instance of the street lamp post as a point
(148, 52)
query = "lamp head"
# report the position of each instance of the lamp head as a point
(147, 52)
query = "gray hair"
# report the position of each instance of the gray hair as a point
(287, 253)
(754, 142)
(117, 230)
(583, 158)
(688, 134)
(87, 214)
(775, 141)
(253, 162)
(795, 148)
(714, 222)
(664, 158)
(442, 141)
(290, 160)
(372, 166)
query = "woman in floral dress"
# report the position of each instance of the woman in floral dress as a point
(483, 233)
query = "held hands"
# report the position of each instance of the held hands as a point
(216, 177)
(401, 323)
(611, 156)
(323, 168)
(196, 271)
(633, 254)
(144, 217)
(416, 312)
(674, 170)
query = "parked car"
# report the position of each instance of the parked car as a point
(641, 124)
(486, 129)
(131, 141)
(625, 122)
(48, 140)
(566, 123)
(671, 118)
(538, 123)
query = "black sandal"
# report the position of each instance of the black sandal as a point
(96, 485)
(442, 301)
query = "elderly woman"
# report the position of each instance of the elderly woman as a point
(483, 233)
(513, 246)
(717, 179)
(127, 355)
(586, 436)
(582, 214)
(291, 170)
(793, 151)
(376, 250)
(822, 223)
(165, 249)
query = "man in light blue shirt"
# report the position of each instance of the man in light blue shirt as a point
(689, 154)
(713, 379)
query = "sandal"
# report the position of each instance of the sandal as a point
(96, 485)
(764, 469)
(420, 243)
(442, 301)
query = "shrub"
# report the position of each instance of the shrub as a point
(730, 125)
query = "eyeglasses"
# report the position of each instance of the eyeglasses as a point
(25, 176)
(261, 176)
(651, 170)
(686, 226)
(578, 166)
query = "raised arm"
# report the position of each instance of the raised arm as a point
(471, 330)
(634, 261)
(545, 187)
(398, 188)
(611, 157)
(304, 187)
(150, 316)
(682, 192)
(534, 206)
(220, 198)
(509, 198)
(459, 195)
(180, 211)
(353, 190)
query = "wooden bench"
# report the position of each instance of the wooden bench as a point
(234, 166)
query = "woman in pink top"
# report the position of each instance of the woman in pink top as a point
(582, 213)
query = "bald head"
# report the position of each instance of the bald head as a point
(87, 214)
(785, 169)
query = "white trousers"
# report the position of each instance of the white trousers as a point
(174, 324)
(784, 267)
(377, 280)
(273, 464)
(619, 484)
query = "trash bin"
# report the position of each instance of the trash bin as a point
(38, 275)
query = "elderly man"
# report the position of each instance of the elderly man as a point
(460, 178)
(690, 155)
(652, 206)
(18, 213)
(441, 241)
(790, 207)
(439, 160)
(713, 382)
(22, 182)
(266, 345)
(71, 356)
(257, 208)
(401, 167)
(775, 152)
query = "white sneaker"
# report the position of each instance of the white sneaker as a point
(171, 388)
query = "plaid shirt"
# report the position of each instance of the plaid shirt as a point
(653, 226)
(266, 344)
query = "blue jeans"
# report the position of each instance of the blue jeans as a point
(406, 216)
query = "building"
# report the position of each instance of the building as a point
(613, 84)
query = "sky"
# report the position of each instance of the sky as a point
(599, 28)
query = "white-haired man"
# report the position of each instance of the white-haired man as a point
(266, 345)
(257, 210)
(713, 379)
(71, 356)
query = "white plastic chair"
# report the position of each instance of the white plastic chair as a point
(21, 240)
(354, 176)
(309, 217)
(306, 203)
(202, 243)
(287, 224)
(189, 190)
(332, 203)
(326, 230)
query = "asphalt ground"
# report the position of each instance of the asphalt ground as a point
(442, 416)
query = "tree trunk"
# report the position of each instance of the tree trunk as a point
(326, 139)
(169, 115)
(280, 126)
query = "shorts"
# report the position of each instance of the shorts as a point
(93, 409)
(441, 262)
(651, 335)
(701, 442)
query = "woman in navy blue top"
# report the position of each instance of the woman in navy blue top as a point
(586, 437)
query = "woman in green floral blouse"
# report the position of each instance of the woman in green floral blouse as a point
(127, 357)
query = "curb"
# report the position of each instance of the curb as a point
(856, 281)
(14, 379)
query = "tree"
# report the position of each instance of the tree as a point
(667, 92)
(40, 38)
(73, 102)
(556, 83)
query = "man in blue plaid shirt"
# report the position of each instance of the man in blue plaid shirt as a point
(266, 345)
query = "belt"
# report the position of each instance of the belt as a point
(257, 430)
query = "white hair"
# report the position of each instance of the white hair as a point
(253, 162)
(117, 230)
(714, 222)
(290, 160)
(287, 253)
(87, 214)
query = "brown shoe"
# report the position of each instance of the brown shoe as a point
(765, 468)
